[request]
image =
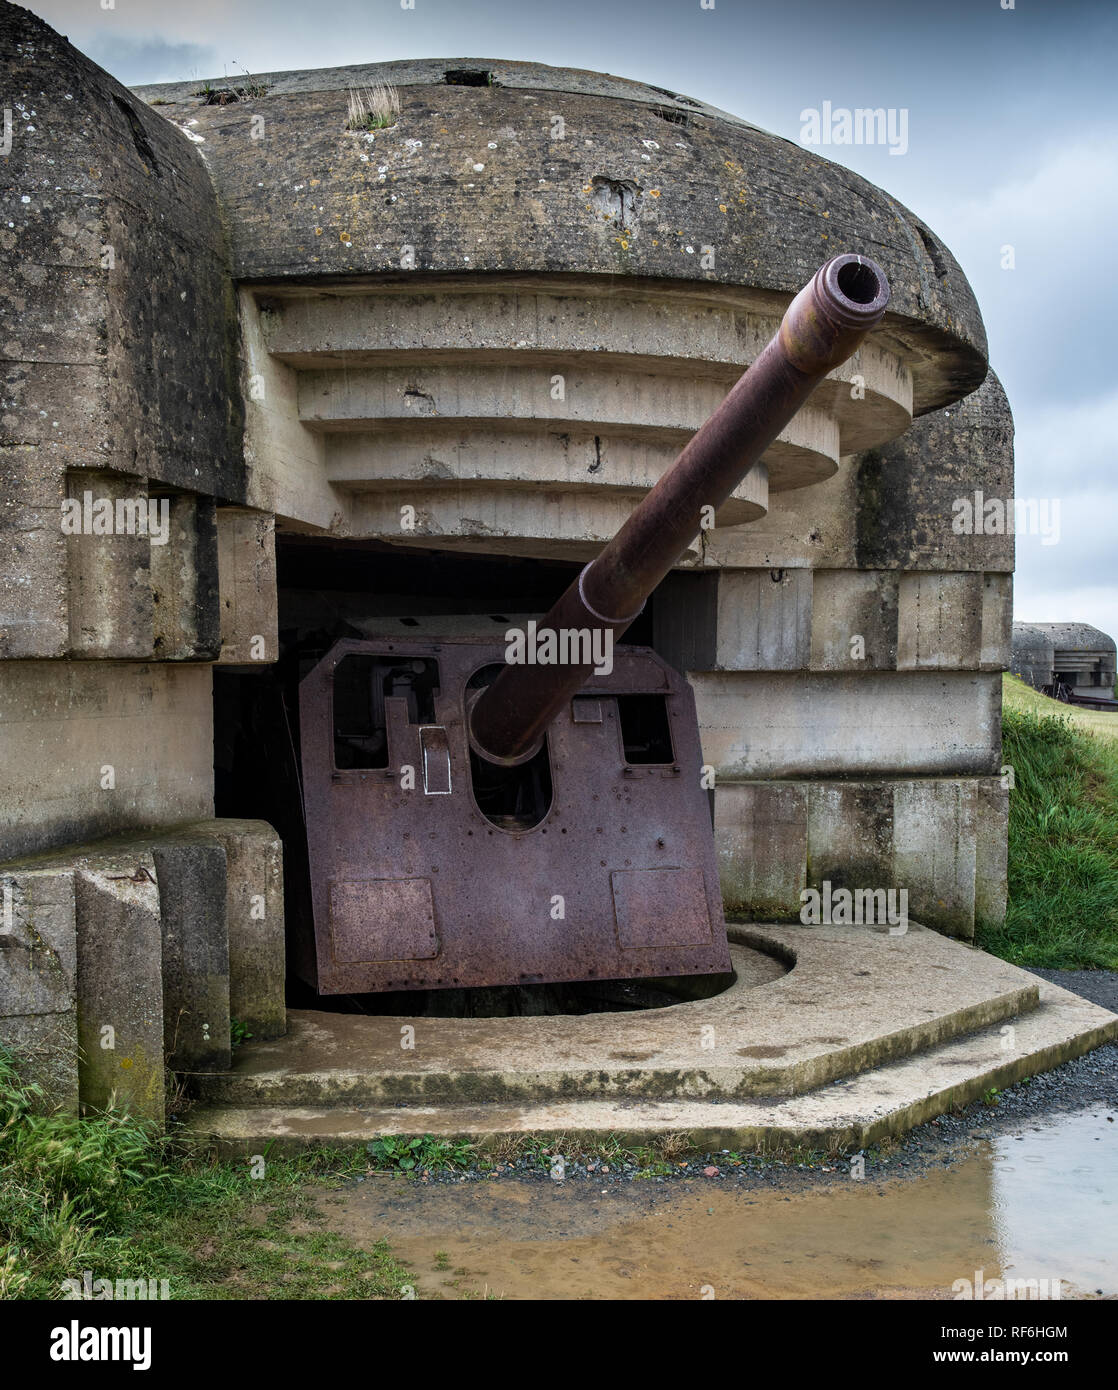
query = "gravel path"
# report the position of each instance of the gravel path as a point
(1099, 986)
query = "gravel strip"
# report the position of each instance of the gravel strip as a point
(1099, 986)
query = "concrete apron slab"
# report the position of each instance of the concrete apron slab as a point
(908, 1026)
(851, 1114)
(850, 998)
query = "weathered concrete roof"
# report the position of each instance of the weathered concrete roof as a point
(1071, 637)
(1029, 639)
(475, 180)
(426, 72)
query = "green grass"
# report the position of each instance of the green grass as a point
(108, 1195)
(1063, 835)
(1018, 696)
(422, 1153)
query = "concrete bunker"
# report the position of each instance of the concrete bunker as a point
(1073, 662)
(372, 380)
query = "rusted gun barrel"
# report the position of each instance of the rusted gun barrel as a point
(823, 326)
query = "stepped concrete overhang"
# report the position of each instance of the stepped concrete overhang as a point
(411, 296)
(663, 175)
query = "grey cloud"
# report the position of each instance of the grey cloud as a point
(133, 59)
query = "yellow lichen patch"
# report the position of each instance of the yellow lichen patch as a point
(654, 193)
(721, 207)
(318, 231)
(344, 237)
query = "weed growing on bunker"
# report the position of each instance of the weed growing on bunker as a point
(373, 108)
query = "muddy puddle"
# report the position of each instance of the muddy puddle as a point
(1038, 1203)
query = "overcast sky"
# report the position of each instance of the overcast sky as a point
(1012, 140)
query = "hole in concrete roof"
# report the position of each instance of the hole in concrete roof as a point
(675, 96)
(672, 117)
(468, 77)
(939, 265)
(616, 201)
(139, 136)
(220, 96)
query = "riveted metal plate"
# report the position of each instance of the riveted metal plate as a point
(382, 919)
(660, 907)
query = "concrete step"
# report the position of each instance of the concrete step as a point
(884, 1101)
(853, 999)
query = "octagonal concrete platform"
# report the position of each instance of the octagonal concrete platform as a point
(863, 1034)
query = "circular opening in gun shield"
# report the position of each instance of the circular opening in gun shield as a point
(513, 798)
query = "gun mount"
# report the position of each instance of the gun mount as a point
(475, 822)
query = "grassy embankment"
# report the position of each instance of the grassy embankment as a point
(1063, 835)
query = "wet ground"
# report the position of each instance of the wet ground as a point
(1037, 1204)
(1024, 1187)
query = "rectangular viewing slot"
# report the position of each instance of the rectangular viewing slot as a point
(361, 686)
(645, 729)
